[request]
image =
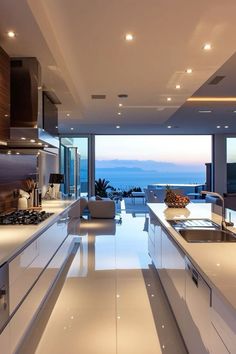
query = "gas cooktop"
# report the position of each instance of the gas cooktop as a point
(24, 217)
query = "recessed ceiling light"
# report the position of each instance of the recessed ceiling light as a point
(207, 46)
(56, 127)
(68, 114)
(40, 144)
(6, 115)
(118, 127)
(119, 113)
(234, 111)
(226, 126)
(129, 37)
(46, 146)
(71, 128)
(168, 99)
(205, 111)
(9, 152)
(32, 140)
(218, 126)
(120, 105)
(11, 34)
(189, 71)
(212, 99)
(122, 95)
(23, 138)
(17, 153)
(177, 86)
(169, 126)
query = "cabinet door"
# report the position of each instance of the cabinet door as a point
(157, 247)
(172, 274)
(5, 341)
(26, 313)
(154, 241)
(224, 322)
(151, 228)
(217, 344)
(28, 265)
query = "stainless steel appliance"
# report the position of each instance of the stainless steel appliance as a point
(4, 295)
(24, 217)
(198, 302)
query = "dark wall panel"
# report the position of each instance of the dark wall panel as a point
(4, 96)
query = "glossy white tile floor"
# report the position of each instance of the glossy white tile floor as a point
(111, 301)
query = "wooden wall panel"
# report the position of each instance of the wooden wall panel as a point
(4, 95)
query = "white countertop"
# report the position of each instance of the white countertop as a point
(15, 237)
(215, 261)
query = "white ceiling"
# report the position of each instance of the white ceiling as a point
(80, 45)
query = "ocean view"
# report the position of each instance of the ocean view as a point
(126, 178)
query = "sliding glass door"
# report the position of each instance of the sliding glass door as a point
(74, 164)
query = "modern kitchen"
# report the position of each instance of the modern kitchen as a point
(159, 281)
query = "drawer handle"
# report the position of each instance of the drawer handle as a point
(195, 277)
(3, 302)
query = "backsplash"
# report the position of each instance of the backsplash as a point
(14, 169)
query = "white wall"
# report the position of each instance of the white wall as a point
(47, 163)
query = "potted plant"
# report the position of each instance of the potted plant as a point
(101, 187)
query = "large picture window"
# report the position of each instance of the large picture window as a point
(139, 160)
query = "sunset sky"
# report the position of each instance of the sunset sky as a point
(190, 149)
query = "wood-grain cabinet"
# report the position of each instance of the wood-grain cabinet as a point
(4, 96)
(203, 319)
(31, 275)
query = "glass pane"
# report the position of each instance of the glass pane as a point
(139, 161)
(231, 165)
(81, 143)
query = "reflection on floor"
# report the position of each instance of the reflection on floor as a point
(111, 301)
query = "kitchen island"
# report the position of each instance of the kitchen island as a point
(198, 278)
(31, 260)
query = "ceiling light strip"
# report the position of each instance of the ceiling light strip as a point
(211, 99)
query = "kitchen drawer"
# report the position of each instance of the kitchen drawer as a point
(223, 319)
(217, 344)
(18, 265)
(5, 341)
(27, 312)
(27, 266)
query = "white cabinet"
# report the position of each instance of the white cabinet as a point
(28, 265)
(154, 241)
(172, 274)
(217, 344)
(224, 322)
(26, 313)
(5, 341)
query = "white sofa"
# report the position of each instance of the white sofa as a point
(103, 208)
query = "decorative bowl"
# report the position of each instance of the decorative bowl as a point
(176, 204)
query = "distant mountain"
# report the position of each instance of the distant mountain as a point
(146, 165)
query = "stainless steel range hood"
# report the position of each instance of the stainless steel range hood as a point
(28, 117)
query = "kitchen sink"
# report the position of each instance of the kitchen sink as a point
(207, 235)
(201, 230)
(193, 224)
